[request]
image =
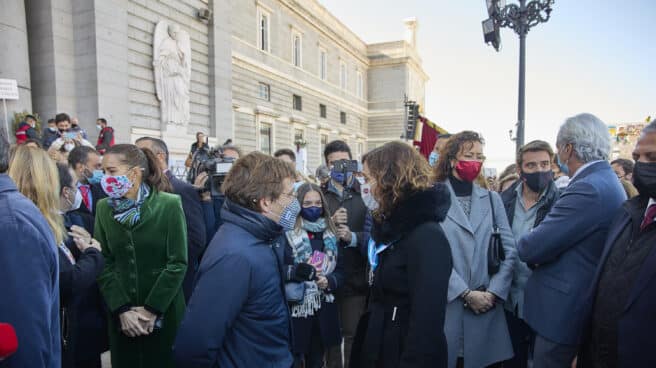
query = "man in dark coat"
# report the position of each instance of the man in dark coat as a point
(621, 325)
(349, 212)
(238, 314)
(191, 205)
(566, 247)
(85, 161)
(527, 203)
(29, 271)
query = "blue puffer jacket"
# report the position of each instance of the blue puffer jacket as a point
(237, 315)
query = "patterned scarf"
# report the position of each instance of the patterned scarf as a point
(302, 251)
(128, 211)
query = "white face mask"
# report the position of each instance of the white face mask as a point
(368, 198)
(69, 147)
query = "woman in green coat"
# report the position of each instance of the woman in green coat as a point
(144, 240)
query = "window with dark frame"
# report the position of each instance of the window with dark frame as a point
(297, 103)
(342, 117)
(322, 111)
(265, 138)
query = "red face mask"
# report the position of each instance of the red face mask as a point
(468, 170)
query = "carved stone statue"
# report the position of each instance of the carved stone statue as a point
(172, 65)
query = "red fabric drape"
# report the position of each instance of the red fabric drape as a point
(428, 139)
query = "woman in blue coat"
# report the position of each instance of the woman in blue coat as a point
(237, 315)
(475, 326)
(313, 244)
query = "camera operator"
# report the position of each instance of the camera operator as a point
(212, 200)
(348, 212)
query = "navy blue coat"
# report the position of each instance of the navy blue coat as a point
(636, 325)
(567, 247)
(196, 235)
(237, 315)
(29, 270)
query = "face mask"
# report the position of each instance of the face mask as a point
(95, 178)
(99, 127)
(289, 214)
(538, 181)
(433, 157)
(52, 129)
(644, 178)
(115, 186)
(297, 185)
(311, 214)
(69, 147)
(360, 180)
(563, 167)
(468, 170)
(77, 202)
(367, 198)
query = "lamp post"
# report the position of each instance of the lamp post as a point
(520, 18)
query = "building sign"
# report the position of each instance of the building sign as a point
(8, 89)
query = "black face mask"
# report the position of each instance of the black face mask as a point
(538, 181)
(644, 178)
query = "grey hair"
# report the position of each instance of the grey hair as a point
(588, 135)
(651, 127)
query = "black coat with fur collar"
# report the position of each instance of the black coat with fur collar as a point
(404, 324)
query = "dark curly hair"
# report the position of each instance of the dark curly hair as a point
(450, 151)
(398, 171)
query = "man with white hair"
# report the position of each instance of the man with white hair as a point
(566, 247)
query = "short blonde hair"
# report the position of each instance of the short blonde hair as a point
(37, 178)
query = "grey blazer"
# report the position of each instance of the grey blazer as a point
(481, 339)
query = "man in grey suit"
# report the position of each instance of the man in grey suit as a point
(566, 247)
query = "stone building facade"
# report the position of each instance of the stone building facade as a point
(265, 73)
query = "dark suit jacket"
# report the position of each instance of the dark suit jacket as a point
(567, 247)
(97, 193)
(196, 234)
(636, 343)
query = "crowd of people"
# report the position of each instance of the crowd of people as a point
(398, 260)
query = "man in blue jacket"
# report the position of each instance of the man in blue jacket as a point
(566, 247)
(238, 315)
(29, 272)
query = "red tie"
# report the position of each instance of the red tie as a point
(649, 217)
(84, 190)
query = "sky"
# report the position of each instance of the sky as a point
(591, 56)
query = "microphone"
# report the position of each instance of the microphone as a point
(8, 340)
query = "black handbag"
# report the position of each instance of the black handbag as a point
(495, 252)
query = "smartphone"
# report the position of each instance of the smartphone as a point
(317, 259)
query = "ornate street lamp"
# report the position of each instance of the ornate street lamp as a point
(520, 18)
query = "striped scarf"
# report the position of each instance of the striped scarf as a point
(128, 211)
(302, 251)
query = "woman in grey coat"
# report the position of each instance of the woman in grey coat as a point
(475, 325)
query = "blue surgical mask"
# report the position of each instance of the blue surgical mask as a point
(433, 157)
(311, 214)
(95, 177)
(289, 215)
(563, 168)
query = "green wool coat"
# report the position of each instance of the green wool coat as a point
(144, 265)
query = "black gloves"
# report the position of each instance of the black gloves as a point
(304, 272)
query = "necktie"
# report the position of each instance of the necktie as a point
(649, 217)
(84, 190)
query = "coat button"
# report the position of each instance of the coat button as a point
(133, 291)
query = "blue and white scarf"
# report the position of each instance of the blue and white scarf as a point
(128, 211)
(302, 251)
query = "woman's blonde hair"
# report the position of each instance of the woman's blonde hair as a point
(37, 178)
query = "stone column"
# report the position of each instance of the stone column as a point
(221, 71)
(15, 63)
